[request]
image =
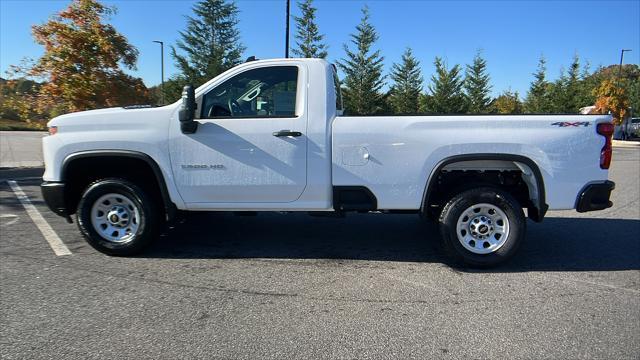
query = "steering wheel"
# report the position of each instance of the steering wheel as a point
(234, 107)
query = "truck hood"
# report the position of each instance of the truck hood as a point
(110, 117)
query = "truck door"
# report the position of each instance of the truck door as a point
(250, 145)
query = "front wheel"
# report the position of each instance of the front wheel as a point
(482, 227)
(117, 217)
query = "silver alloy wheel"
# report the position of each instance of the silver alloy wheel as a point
(115, 218)
(482, 228)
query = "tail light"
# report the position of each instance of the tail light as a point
(53, 130)
(606, 130)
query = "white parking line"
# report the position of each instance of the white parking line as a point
(58, 247)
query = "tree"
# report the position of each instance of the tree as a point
(425, 103)
(211, 43)
(81, 61)
(612, 98)
(633, 90)
(572, 88)
(508, 103)
(477, 87)
(363, 79)
(17, 97)
(404, 94)
(446, 90)
(537, 101)
(172, 89)
(557, 95)
(309, 39)
(586, 86)
(566, 95)
(629, 78)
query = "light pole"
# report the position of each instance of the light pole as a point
(161, 67)
(621, 57)
(286, 49)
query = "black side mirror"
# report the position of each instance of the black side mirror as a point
(187, 112)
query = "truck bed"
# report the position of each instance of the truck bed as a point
(394, 156)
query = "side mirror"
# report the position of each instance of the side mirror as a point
(187, 112)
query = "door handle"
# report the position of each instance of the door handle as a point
(287, 133)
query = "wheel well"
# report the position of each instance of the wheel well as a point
(519, 178)
(79, 172)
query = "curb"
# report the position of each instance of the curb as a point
(626, 144)
(21, 173)
(5, 165)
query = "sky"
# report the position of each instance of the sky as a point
(511, 34)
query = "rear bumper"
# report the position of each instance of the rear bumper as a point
(595, 197)
(53, 194)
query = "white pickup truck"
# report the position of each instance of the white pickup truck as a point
(270, 136)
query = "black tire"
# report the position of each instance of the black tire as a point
(147, 221)
(459, 204)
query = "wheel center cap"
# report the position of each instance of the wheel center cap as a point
(481, 226)
(118, 216)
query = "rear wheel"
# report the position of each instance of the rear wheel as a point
(482, 227)
(117, 217)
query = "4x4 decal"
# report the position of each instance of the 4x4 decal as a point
(570, 124)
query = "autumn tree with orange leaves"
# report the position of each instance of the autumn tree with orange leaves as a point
(82, 61)
(612, 98)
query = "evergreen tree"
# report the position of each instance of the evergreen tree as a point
(446, 90)
(309, 39)
(587, 84)
(172, 89)
(404, 95)
(537, 101)
(557, 94)
(363, 79)
(477, 87)
(572, 88)
(424, 101)
(211, 42)
(564, 93)
(586, 70)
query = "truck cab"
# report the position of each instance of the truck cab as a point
(262, 140)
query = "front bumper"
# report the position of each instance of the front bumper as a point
(595, 197)
(54, 197)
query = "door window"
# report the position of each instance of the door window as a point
(263, 92)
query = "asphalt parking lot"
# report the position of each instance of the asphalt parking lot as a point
(294, 286)
(21, 149)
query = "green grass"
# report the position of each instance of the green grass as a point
(13, 125)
